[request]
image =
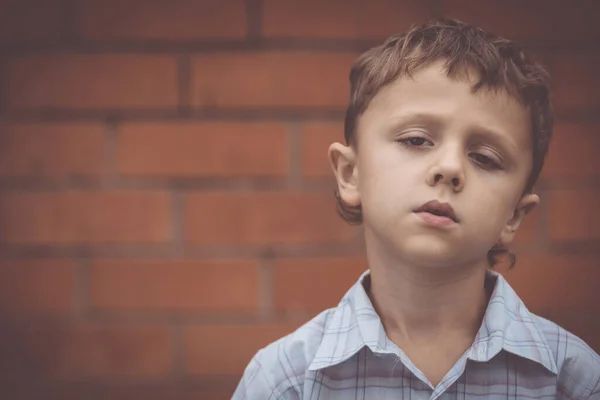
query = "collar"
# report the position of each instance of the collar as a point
(507, 325)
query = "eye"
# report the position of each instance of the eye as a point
(415, 141)
(485, 161)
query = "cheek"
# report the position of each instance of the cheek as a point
(377, 194)
(493, 209)
(385, 193)
(376, 173)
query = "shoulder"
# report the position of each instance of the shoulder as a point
(278, 370)
(577, 363)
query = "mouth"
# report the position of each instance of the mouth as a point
(443, 211)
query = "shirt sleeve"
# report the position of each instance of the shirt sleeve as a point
(256, 384)
(595, 395)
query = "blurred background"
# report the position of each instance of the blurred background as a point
(166, 205)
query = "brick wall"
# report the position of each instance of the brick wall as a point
(165, 201)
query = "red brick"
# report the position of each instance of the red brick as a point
(315, 145)
(214, 286)
(577, 22)
(276, 80)
(85, 217)
(150, 390)
(537, 20)
(210, 394)
(539, 280)
(87, 352)
(176, 392)
(242, 341)
(121, 391)
(360, 19)
(37, 286)
(576, 82)
(573, 151)
(52, 150)
(156, 19)
(511, 19)
(29, 21)
(263, 218)
(573, 215)
(205, 149)
(91, 81)
(314, 284)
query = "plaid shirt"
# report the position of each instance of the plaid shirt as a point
(344, 353)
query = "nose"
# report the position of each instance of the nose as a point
(448, 169)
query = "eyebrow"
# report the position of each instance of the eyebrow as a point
(406, 118)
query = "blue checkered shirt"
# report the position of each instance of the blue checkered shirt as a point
(344, 353)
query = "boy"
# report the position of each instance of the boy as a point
(447, 130)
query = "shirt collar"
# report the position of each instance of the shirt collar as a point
(510, 326)
(507, 325)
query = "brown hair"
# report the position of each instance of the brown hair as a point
(500, 64)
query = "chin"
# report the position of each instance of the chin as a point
(431, 253)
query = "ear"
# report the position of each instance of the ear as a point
(527, 203)
(343, 163)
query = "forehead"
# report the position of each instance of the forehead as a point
(429, 92)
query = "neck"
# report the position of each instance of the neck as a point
(419, 304)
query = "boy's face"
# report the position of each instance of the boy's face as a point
(430, 138)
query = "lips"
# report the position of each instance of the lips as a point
(437, 208)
